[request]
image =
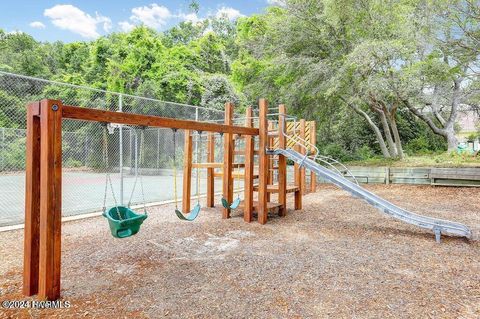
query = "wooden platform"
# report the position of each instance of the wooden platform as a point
(274, 188)
(235, 175)
(270, 206)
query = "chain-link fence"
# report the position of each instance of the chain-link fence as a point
(84, 166)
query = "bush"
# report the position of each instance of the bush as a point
(335, 151)
(72, 163)
(418, 145)
(13, 155)
(365, 153)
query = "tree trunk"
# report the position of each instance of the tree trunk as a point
(452, 140)
(396, 135)
(376, 130)
(388, 134)
(447, 129)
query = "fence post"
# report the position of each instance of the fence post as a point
(120, 159)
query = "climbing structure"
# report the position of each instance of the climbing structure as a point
(249, 170)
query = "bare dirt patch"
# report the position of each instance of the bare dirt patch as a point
(337, 258)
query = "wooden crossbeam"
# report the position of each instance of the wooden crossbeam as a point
(235, 175)
(216, 165)
(276, 189)
(87, 114)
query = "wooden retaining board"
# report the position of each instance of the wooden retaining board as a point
(467, 176)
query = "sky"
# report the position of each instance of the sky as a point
(71, 20)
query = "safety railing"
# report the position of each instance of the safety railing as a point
(307, 146)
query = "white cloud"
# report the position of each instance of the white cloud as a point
(229, 13)
(107, 24)
(37, 25)
(191, 17)
(276, 2)
(68, 17)
(153, 16)
(126, 26)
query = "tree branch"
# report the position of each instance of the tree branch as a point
(424, 118)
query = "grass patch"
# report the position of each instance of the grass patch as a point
(430, 160)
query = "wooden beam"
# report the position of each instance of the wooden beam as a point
(270, 158)
(228, 160)
(263, 162)
(235, 175)
(87, 114)
(210, 170)
(276, 189)
(187, 172)
(32, 202)
(50, 199)
(249, 164)
(297, 177)
(313, 139)
(282, 163)
(215, 165)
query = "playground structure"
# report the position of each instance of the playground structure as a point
(276, 172)
(42, 246)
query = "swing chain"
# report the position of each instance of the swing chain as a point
(174, 135)
(137, 174)
(235, 169)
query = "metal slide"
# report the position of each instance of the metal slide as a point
(438, 226)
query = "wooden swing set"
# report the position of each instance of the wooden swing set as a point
(43, 199)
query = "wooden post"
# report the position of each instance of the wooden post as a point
(187, 172)
(50, 198)
(228, 160)
(263, 162)
(32, 202)
(249, 146)
(270, 159)
(282, 162)
(297, 175)
(210, 170)
(303, 189)
(313, 140)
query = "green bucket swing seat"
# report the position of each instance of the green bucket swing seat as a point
(123, 221)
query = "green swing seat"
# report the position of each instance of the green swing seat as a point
(191, 216)
(125, 225)
(234, 205)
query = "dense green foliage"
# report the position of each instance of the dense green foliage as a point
(380, 78)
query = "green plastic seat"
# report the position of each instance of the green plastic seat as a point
(125, 225)
(191, 216)
(234, 205)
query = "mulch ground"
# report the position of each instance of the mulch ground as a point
(336, 258)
